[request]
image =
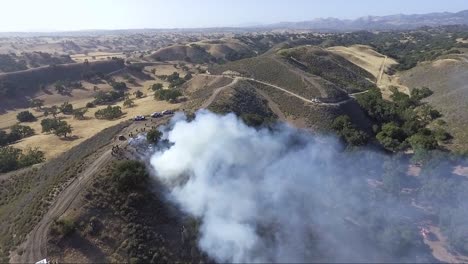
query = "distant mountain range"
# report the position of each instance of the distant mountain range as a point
(399, 21)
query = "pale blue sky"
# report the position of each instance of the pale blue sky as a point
(51, 15)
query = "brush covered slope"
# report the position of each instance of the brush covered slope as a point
(205, 51)
(124, 221)
(330, 67)
(243, 100)
(307, 71)
(446, 77)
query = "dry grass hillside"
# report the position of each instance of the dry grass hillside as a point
(333, 68)
(84, 129)
(447, 77)
(307, 71)
(26, 84)
(205, 51)
(373, 62)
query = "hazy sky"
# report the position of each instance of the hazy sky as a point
(43, 15)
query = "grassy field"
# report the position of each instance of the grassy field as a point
(96, 56)
(84, 129)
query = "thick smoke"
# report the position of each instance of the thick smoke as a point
(268, 195)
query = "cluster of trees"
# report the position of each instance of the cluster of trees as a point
(65, 87)
(119, 86)
(58, 127)
(36, 103)
(102, 97)
(79, 113)
(402, 122)
(129, 103)
(175, 80)
(12, 158)
(349, 132)
(17, 132)
(169, 95)
(25, 116)
(109, 113)
(156, 87)
(10, 63)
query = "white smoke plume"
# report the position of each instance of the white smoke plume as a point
(267, 195)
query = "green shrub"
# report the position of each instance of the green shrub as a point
(156, 87)
(130, 175)
(348, 132)
(64, 227)
(169, 95)
(25, 116)
(66, 108)
(109, 113)
(58, 127)
(153, 136)
(31, 157)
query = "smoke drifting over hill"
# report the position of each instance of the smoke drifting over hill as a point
(280, 195)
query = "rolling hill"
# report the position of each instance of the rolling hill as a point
(305, 70)
(205, 51)
(446, 77)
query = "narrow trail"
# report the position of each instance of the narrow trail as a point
(215, 93)
(351, 95)
(35, 244)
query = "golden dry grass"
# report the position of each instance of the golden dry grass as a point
(96, 56)
(84, 129)
(370, 60)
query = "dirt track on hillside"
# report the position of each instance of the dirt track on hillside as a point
(35, 245)
(215, 93)
(218, 90)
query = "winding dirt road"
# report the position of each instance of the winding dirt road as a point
(216, 92)
(35, 244)
(237, 78)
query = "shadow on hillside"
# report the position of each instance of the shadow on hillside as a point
(85, 247)
(70, 138)
(13, 104)
(141, 75)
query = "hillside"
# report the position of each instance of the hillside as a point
(15, 87)
(308, 71)
(447, 78)
(217, 50)
(26, 60)
(375, 63)
(204, 51)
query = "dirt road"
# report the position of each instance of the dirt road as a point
(216, 92)
(35, 244)
(296, 95)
